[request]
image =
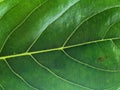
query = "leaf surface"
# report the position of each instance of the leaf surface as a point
(60, 45)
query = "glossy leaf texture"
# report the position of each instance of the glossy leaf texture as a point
(59, 44)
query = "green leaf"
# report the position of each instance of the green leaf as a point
(59, 45)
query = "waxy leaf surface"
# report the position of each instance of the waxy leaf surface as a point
(59, 44)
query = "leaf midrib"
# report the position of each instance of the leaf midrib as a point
(60, 48)
(57, 49)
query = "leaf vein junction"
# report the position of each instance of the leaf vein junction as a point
(79, 25)
(56, 49)
(88, 65)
